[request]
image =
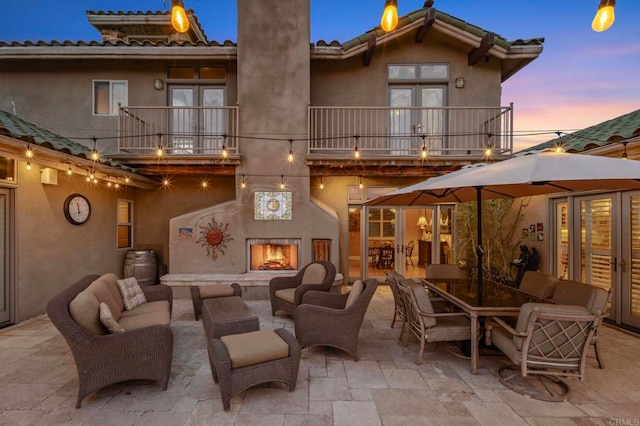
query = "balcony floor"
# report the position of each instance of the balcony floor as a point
(38, 384)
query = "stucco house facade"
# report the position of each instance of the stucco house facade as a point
(232, 158)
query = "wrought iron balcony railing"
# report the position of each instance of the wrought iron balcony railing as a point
(466, 132)
(178, 130)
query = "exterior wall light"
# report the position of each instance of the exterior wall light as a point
(459, 82)
(179, 16)
(605, 16)
(389, 19)
(158, 84)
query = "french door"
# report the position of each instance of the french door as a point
(417, 111)
(6, 244)
(629, 264)
(597, 241)
(198, 121)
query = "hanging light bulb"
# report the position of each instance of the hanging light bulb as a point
(88, 179)
(179, 16)
(282, 185)
(127, 180)
(290, 156)
(95, 156)
(389, 19)
(356, 153)
(321, 183)
(361, 185)
(159, 151)
(243, 183)
(624, 153)
(29, 152)
(69, 171)
(205, 184)
(488, 151)
(165, 182)
(605, 16)
(28, 165)
(225, 153)
(117, 185)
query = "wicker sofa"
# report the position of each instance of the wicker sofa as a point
(143, 351)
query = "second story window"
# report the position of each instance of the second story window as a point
(107, 95)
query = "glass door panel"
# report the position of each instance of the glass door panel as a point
(183, 122)
(5, 244)
(630, 261)
(401, 120)
(596, 245)
(214, 121)
(561, 243)
(432, 121)
(356, 260)
(381, 238)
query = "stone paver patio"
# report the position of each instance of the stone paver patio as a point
(38, 384)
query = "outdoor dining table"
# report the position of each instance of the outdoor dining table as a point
(497, 300)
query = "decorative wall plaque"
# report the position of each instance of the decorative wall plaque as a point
(273, 206)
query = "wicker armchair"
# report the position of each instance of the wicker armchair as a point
(286, 293)
(329, 319)
(548, 342)
(103, 360)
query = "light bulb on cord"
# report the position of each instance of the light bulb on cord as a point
(179, 19)
(389, 19)
(605, 16)
(243, 183)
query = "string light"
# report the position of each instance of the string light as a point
(69, 171)
(624, 153)
(179, 19)
(389, 19)
(243, 183)
(204, 184)
(605, 16)
(95, 155)
(28, 165)
(424, 152)
(225, 154)
(127, 180)
(361, 185)
(321, 183)
(282, 185)
(488, 151)
(166, 182)
(356, 153)
(290, 156)
(29, 152)
(160, 151)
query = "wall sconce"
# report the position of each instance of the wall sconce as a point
(605, 16)
(158, 84)
(459, 82)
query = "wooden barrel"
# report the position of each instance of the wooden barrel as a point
(142, 265)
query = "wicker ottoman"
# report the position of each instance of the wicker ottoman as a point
(227, 315)
(240, 361)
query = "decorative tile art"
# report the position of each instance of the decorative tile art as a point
(273, 206)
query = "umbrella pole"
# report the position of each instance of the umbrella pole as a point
(479, 248)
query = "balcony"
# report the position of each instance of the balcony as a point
(447, 132)
(180, 131)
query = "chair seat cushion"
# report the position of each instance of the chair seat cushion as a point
(255, 347)
(216, 290)
(286, 294)
(145, 320)
(450, 329)
(147, 308)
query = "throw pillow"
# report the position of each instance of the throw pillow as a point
(107, 319)
(132, 294)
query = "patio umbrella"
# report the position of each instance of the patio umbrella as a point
(527, 175)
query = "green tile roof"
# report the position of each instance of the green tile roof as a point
(20, 129)
(611, 131)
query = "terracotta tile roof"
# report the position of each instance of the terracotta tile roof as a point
(611, 131)
(20, 129)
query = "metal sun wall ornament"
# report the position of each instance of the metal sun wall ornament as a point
(214, 237)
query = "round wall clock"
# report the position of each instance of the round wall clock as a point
(77, 209)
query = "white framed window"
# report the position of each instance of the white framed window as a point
(423, 73)
(108, 95)
(125, 224)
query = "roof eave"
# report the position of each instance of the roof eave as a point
(120, 52)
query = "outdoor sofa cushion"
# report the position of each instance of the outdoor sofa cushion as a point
(254, 347)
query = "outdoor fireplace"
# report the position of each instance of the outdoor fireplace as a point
(274, 254)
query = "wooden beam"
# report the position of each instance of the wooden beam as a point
(487, 42)
(371, 47)
(429, 19)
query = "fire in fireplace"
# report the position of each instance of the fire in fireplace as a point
(273, 254)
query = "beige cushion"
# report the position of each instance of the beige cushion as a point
(85, 310)
(538, 284)
(314, 274)
(107, 319)
(356, 291)
(147, 308)
(132, 294)
(255, 347)
(449, 329)
(286, 294)
(570, 292)
(145, 320)
(109, 280)
(422, 300)
(215, 290)
(437, 271)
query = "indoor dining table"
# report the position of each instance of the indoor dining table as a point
(497, 300)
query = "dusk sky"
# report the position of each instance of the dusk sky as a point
(580, 79)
